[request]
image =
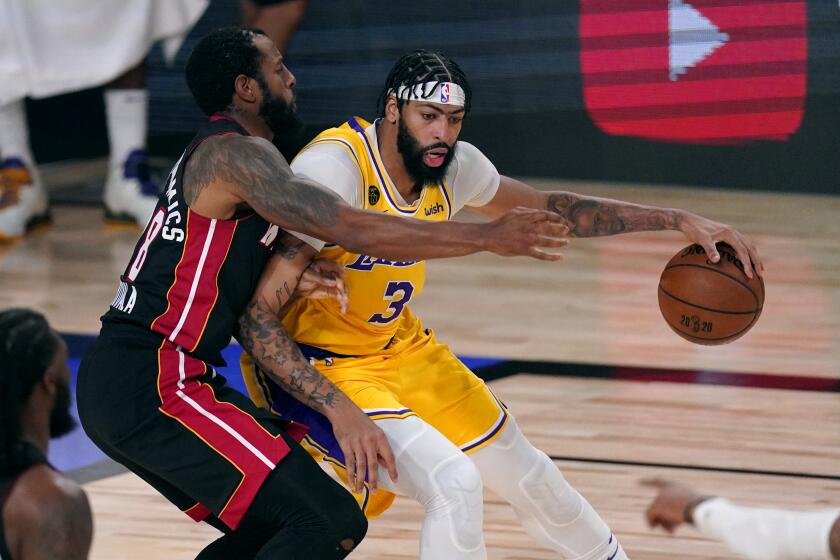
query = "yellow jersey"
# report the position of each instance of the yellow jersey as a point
(380, 290)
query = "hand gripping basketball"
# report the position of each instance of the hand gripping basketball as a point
(709, 302)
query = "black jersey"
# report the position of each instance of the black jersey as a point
(190, 277)
(8, 476)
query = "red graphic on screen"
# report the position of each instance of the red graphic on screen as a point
(702, 71)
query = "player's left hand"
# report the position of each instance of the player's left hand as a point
(707, 233)
(324, 278)
(673, 505)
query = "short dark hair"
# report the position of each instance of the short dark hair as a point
(217, 60)
(419, 67)
(27, 347)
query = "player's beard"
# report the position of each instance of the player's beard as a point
(280, 116)
(61, 421)
(412, 155)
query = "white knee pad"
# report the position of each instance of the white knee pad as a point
(458, 496)
(445, 482)
(549, 493)
(526, 477)
(552, 512)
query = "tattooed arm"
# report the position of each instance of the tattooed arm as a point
(247, 171)
(262, 335)
(589, 216)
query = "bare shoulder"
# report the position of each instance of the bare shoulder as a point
(42, 486)
(235, 162)
(51, 516)
(240, 144)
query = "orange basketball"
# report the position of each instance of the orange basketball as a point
(709, 303)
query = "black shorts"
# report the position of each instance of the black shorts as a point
(170, 418)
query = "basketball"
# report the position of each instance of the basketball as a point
(709, 303)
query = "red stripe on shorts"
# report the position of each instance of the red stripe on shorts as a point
(228, 430)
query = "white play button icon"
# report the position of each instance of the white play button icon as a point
(691, 37)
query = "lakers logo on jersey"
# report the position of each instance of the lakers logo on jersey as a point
(380, 289)
(366, 263)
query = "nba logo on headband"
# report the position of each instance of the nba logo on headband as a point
(448, 93)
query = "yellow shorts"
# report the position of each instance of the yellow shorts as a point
(416, 375)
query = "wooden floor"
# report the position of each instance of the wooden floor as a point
(599, 306)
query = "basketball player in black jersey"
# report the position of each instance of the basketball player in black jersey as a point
(148, 395)
(42, 513)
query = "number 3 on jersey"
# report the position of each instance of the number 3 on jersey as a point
(398, 293)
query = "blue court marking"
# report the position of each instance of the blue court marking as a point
(75, 450)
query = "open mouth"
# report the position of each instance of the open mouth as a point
(435, 157)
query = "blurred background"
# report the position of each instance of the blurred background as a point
(561, 89)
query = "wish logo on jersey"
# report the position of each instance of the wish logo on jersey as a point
(366, 263)
(436, 209)
(701, 71)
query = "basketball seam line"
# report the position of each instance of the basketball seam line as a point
(669, 294)
(745, 286)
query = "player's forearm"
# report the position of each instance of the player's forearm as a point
(406, 239)
(590, 216)
(767, 534)
(307, 207)
(264, 338)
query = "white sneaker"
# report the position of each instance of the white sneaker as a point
(130, 194)
(28, 206)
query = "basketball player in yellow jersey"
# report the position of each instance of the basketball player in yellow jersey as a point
(449, 433)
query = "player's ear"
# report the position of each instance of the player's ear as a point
(49, 381)
(245, 88)
(392, 111)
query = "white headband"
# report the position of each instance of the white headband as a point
(445, 93)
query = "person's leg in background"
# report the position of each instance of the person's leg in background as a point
(130, 195)
(24, 200)
(278, 18)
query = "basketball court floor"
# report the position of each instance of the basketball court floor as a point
(577, 350)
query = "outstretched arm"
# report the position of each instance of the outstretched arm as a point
(757, 533)
(255, 174)
(262, 335)
(589, 216)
